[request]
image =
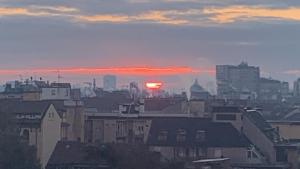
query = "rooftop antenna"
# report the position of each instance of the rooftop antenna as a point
(58, 76)
(244, 59)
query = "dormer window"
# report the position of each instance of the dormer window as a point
(181, 135)
(200, 135)
(53, 92)
(163, 135)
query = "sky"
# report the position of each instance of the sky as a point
(173, 41)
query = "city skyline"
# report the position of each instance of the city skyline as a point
(196, 35)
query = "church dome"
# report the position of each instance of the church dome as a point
(196, 87)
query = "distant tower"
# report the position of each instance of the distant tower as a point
(198, 92)
(94, 84)
(109, 83)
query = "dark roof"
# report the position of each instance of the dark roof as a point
(18, 106)
(105, 104)
(23, 107)
(60, 85)
(265, 127)
(226, 109)
(72, 153)
(159, 104)
(217, 134)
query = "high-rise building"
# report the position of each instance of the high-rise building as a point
(237, 82)
(109, 83)
(270, 89)
(296, 90)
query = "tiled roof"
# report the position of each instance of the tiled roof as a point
(72, 153)
(216, 134)
(159, 104)
(105, 104)
(23, 107)
(226, 109)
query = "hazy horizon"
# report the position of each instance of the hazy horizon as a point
(196, 35)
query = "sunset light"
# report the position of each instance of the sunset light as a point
(153, 85)
(140, 71)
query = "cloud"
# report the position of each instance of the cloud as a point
(55, 8)
(160, 17)
(163, 17)
(235, 13)
(36, 11)
(103, 18)
(187, 16)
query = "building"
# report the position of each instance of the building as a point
(285, 89)
(35, 90)
(194, 138)
(198, 92)
(237, 82)
(109, 83)
(228, 114)
(296, 90)
(39, 124)
(72, 154)
(73, 119)
(56, 91)
(270, 90)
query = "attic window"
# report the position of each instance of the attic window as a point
(181, 135)
(163, 135)
(200, 135)
(53, 92)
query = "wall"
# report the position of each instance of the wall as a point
(287, 130)
(56, 94)
(112, 130)
(74, 116)
(259, 139)
(236, 123)
(51, 133)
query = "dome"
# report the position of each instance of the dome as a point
(196, 87)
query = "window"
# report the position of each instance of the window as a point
(163, 135)
(181, 135)
(218, 153)
(67, 93)
(25, 135)
(181, 152)
(231, 117)
(53, 92)
(200, 135)
(251, 153)
(193, 153)
(201, 152)
(51, 115)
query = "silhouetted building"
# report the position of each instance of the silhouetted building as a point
(269, 90)
(237, 82)
(296, 90)
(198, 92)
(109, 82)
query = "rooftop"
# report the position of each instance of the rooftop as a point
(216, 134)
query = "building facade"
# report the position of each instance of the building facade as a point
(237, 82)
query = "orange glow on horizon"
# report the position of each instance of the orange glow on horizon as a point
(142, 71)
(153, 85)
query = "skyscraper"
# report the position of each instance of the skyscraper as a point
(237, 82)
(109, 83)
